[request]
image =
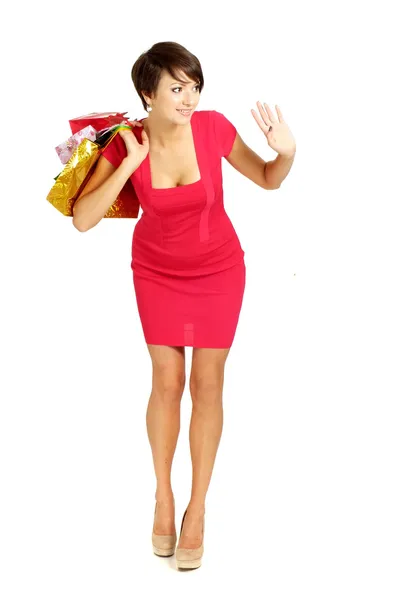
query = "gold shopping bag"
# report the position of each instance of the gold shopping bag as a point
(77, 173)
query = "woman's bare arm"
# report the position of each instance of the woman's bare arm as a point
(100, 193)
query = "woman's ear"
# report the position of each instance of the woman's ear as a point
(146, 98)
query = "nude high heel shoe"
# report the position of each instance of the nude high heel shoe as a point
(163, 545)
(189, 558)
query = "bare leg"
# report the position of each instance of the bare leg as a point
(206, 388)
(163, 425)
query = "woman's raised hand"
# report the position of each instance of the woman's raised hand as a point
(277, 132)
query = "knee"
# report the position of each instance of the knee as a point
(169, 386)
(206, 389)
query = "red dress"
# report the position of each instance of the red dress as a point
(188, 265)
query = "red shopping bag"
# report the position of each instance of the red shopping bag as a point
(97, 120)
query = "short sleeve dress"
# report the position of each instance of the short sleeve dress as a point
(187, 262)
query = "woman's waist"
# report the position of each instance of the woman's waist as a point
(186, 248)
(208, 256)
(184, 267)
(194, 232)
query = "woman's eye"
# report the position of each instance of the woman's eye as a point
(179, 88)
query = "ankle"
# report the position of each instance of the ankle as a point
(164, 496)
(196, 506)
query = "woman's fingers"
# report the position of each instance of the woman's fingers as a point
(128, 136)
(135, 123)
(260, 122)
(145, 138)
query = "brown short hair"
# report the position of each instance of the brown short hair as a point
(168, 56)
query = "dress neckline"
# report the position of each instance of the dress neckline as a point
(178, 188)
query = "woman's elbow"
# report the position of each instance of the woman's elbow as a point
(77, 219)
(78, 226)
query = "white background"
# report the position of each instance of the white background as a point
(304, 498)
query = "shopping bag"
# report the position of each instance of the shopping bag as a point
(97, 120)
(76, 174)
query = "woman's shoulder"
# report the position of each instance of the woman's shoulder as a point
(203, 115)
(204, 121)
(219, 128)
(212, 118)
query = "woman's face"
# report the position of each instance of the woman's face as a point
(172, 97)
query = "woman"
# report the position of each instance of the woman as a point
(187, 262)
